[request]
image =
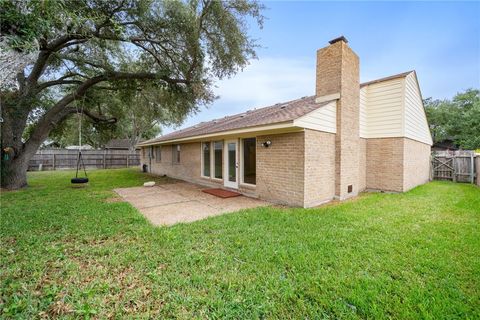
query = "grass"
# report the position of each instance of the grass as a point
(72, 253)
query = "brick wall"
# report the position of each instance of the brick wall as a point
(280, 168)
(416, 160)
(384, 170)
(188, 169)
(362, 165)
(338, 72)
(319, 167)
(397, 164)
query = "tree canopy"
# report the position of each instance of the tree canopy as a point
(56, 52)
(457, 119)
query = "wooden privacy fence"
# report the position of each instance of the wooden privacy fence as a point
(457, 166)
(58, 159)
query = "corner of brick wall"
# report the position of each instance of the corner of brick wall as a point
(280, 168)
(416, 170)
(319, 167)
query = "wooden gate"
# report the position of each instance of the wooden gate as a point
(443, 168)
(457, 166)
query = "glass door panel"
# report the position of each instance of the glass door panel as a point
(231, 175)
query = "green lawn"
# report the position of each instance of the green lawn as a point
(74, 253)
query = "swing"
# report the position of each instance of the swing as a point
(77, 179)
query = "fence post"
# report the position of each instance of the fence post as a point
(54, 161)
(454, 171)
(128, 156)
(471, 167)
(104, 160)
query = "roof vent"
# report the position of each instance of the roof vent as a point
(341, 38)
(283, 107)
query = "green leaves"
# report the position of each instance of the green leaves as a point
(457, 119)
(99, 48)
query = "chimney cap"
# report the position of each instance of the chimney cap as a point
(341, 38)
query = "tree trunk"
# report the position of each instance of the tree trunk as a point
(14, 173)
(14, 161)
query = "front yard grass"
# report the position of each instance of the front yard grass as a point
(75, 253)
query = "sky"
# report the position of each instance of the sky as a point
(440, 40)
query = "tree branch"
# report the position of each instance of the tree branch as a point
(60, 111)
(98, 118)
(59, 81)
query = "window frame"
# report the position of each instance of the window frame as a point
(158, 156)
(212, 160)
(242, 163)
(151, 152)
(176, 154)
(212, 163)
(202, 162)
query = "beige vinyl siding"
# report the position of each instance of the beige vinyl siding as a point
(416, 125)
(384, 109)
(363, 111)
(322, 119)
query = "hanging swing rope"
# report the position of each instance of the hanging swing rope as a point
(79, 157)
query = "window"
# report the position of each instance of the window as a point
(212, 159)
(143, 152)
(151, 155)
(158, 153)
(206, 159)
(176, 153)
(249, 161)
(217, 159)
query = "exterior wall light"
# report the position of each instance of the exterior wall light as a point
(267, 144)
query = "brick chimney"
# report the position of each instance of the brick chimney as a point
(338, 78)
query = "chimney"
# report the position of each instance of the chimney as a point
(338, 78)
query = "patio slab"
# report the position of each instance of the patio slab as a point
(168, 204)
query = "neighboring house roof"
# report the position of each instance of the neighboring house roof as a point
(83, 147)
(118, 144)
(278, 113)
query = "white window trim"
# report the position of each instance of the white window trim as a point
(242, 164)
(212, 163)
(212, 160)
(202, 159)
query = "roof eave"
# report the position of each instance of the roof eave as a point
(279, 126)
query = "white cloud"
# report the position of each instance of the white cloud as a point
(264, 82)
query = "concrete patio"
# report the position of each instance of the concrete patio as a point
(168, 204)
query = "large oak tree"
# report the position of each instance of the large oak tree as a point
(64, 54)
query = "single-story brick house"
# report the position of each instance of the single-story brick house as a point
(347, 138)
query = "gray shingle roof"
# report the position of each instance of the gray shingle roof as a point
(278, 113)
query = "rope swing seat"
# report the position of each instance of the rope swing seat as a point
(80, 180)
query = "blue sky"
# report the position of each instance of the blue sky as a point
(440, 40)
